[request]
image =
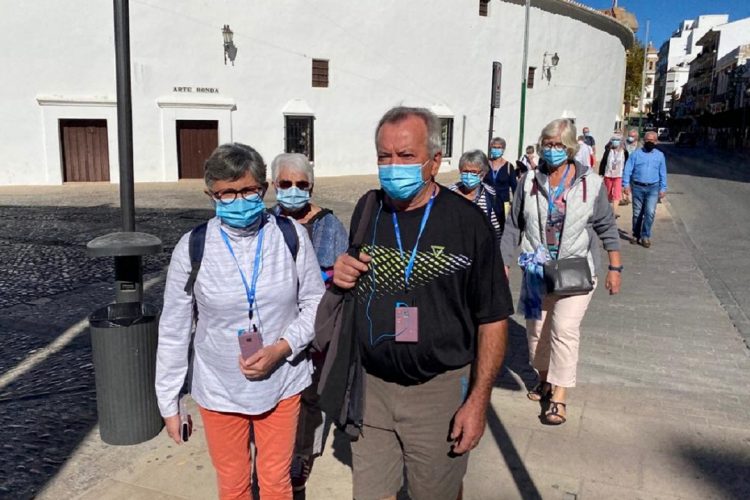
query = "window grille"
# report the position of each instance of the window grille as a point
(299, 136)
(446, 137)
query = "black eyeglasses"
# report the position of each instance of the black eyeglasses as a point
(229, 195)
(285, 184)
(559, 146)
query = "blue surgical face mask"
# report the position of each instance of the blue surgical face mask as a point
(401, 182)
(293, 198)
(631, 139)
(555, 157)
(240, 212)
(587, 134)
(496, 153)
(470, 179)
(615, 144)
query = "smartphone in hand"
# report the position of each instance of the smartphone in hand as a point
(250, 342)
(186, 423)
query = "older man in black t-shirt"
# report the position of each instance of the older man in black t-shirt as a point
(432, 303)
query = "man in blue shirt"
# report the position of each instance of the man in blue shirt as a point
(646, 171)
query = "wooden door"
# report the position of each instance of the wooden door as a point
(84, 150)
(196, 140)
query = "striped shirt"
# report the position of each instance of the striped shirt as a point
(480, 200)
(287, 297)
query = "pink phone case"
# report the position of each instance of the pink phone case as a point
(250, 343)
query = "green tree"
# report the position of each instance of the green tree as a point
(633, 74)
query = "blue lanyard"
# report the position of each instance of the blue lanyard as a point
(413, 258)
(558, 191)
(494, 174)
(249, 290)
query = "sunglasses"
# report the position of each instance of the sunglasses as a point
(303, 185)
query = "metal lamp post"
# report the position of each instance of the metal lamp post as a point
(124, 334)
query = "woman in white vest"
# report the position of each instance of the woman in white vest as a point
(557, 211)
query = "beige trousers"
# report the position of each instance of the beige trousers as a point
(553, 340)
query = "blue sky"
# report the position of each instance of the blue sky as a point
(666, 15)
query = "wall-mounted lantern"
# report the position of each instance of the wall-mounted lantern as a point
(230, 51)
(549, 62)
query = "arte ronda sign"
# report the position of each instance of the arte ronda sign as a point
(197, 90)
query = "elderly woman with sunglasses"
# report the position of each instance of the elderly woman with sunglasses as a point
(251, 289)
(293, 179)
(558, 209)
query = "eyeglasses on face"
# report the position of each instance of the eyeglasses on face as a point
(286, 184)
(227, 196)
(557, 146)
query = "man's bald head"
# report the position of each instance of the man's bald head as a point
(650, 136)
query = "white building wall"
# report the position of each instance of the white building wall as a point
(436, 54)
(733, 35)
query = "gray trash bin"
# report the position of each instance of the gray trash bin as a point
(124, 337)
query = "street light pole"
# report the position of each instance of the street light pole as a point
(124, 113)
(643, 82)
(524, 74)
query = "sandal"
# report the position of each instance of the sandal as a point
(541, 392)
(554, 412)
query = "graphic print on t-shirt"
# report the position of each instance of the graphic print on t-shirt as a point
(388, 270)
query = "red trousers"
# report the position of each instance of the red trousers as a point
(228, 437)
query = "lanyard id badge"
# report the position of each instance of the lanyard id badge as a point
(407, 323)
(249, 288)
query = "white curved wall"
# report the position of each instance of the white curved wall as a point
(421, 52)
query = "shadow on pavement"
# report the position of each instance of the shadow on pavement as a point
(521, 477)
(44, 415)
(726, 469)
(707, 162)
(516, 361)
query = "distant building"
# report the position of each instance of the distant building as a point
(675, 56)
(648, 90)
(729, 76)
(698, 91)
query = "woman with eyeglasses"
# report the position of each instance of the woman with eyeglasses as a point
(293, 179)
(253, 301)
(558, 210)
(472, 168)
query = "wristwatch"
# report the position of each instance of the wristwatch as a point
(616, 268)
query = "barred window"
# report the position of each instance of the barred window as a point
(484, 7)
(446, 137)
(530, 77)
(320, 73)
(299, 136)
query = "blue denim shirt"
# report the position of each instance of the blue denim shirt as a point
(647, 168)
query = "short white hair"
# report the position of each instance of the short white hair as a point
(293, 161)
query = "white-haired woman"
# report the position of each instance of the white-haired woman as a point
(558, 209)
(501, 176)
(251, 290)
(611, 168)
(293, 179)
(473, 167)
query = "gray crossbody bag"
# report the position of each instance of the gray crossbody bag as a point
(565, 277)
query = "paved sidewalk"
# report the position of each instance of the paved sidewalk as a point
(661, 409)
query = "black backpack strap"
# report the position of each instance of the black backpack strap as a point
(290, 234)
(196, 244)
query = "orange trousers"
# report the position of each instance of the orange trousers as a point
(228, 438)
